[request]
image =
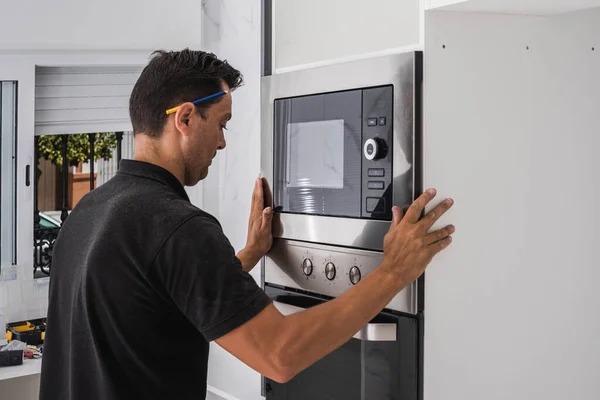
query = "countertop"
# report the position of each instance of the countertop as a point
(29, 367)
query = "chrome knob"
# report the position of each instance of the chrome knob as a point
(354, 275)
(307, 266)
(330, 271)
(374, 149)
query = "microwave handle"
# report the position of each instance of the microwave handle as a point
(369, 332)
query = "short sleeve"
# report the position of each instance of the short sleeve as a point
(199, 271)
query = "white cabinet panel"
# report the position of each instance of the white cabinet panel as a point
(511, 132)
(313, 31)
(529, 7)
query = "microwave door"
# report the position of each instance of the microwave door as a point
(317, 154)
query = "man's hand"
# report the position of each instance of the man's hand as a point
(260, 236)
(409, 247)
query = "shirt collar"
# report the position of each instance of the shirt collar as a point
(154, 172)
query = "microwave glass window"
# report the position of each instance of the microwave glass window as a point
(317, 154)
(324, 141)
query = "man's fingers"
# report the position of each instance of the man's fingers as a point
(435, 214)
(414, 211)
(267, 194)
(438, 235)
(267, 218)
(440, 245)
(257, 198)
(397, 215)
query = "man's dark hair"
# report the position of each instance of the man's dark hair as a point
(175, 77)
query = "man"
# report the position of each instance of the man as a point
(142, 280)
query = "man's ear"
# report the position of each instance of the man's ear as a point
(183, 117)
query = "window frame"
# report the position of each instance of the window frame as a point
(8, 172)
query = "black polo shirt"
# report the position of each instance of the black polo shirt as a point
(141, 282)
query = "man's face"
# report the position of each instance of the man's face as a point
(205, 138)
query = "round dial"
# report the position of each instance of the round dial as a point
(374, 149)
(330, 271)
(355, 275)
(307, 266)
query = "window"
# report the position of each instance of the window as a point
(8, 182)
(58, 190)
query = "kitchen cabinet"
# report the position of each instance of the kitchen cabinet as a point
(510, 132)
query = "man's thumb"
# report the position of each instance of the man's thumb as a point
(267, 215)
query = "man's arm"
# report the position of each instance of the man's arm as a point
(248, 258)
(280, 347)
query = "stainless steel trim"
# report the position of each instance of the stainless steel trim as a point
(284, 266)
(8, 146)
(266, 37)
(349, 232)
(398, 70)
(369, 332)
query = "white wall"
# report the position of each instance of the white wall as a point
(512, 308)
(94, 25)
(232, 30)
(316, 31)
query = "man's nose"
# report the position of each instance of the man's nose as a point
(222, 142)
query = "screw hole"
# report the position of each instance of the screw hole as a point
(527, 47)
(443, 46)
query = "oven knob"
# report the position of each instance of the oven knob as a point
(330, 271)
(374, 149)
(307, 266)
(354, 275)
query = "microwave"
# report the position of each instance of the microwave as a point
(340, 146)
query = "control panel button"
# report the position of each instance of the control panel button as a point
(330, 271)
(355, 275)
(382, 121)
(307, 266)
(375, 203)
(372, 122)
(376, 172)
(375, 185)
(370, 149)
(375, 149)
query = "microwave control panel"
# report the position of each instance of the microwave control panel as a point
(377, 142)
(327, 270)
